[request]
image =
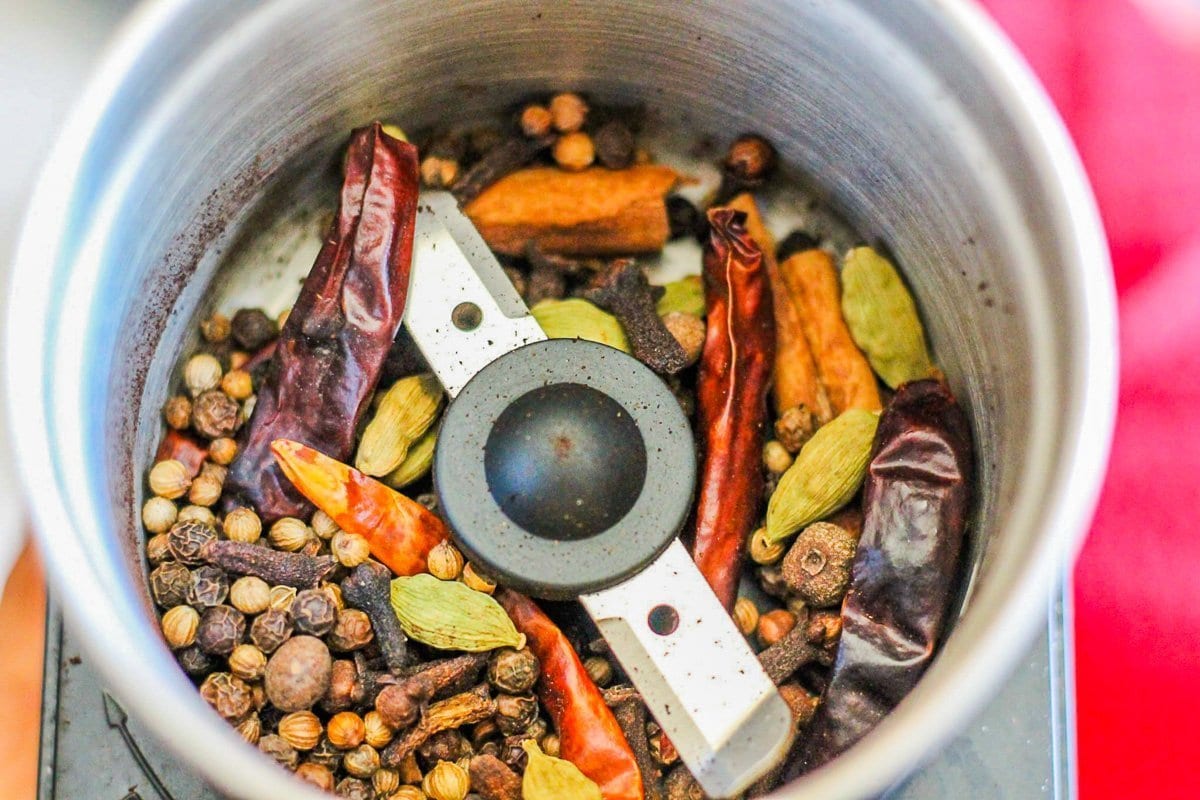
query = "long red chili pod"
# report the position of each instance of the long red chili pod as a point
(735, 376)
(589, 736)
(399, 531)
(183, 448)
(332, 348)
(915, 502)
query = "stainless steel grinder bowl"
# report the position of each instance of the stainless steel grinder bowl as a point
(914, 118)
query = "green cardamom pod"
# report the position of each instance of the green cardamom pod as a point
(576, 318)
(449, 615)
(416, 463)
(405, 412)
(685, 295)
(550, 778)
(883, 318)
(825, 475)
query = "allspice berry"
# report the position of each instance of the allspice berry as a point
(215, 329)
(201, 373)
(351, 630)
(221, 629)
(574, 151)
(222, 450)
(242, 525)
(689, 330)
(396, 707)
(301, 729)
(776, 458)
(229, 695)
(318, 775)
(298, 673)
(774, 625)
(289, 534)
(237, 384)
(169, 479)
(349, 549)
(445, 561)
(158, 514)
(247, 662)
(377, 733)
(513, 671)
(177, 412)
(751, 158)
(194, 513)
(817, 566)
(446, 781)
(568, 112)
(179, 626)
(250, 594)
(346, 730)
(215, 414)
(745, 615)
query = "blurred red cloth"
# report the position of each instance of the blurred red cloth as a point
(1130, 95)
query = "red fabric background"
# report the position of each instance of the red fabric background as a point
(1130, 94)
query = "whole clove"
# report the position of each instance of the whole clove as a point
(544, 284)
(369, 588)
(276, 567)
(452, 713)
(570, 266)
(400, 702)
(793, 651)
(506, 157)
(630, 711)
(623, 291)
(492, 779)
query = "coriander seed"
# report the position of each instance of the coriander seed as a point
(237, 384)
(349, 549)
(385, 782)
(201, 373)
(157, 549)
(205, 491)
(745, 615)
(179, 626)
(177, 412)
(193, 513)
(301, 729)
(158, 514)
(551, 744)
(169, 479)
(215, 329)
(247, 662)
(408, 793)
(445, 561)
(222, 450)
(250, 728)
(599, 670)
(376, 732)
(242, 525)
(289, 534)
(346, 730)
(574, 151)
(446, 781)
(568, 112)
(323, 525)
(318, 775)
(250, 595)
(776, 458)
(282, 597)
(764, 552)
(438, 173)
(689, 330)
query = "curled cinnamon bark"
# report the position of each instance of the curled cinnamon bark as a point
(915, 502)
(735, 374)
(335, 341)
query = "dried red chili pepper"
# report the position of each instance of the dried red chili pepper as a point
(589, 735)
(915, 503)
(735, 374)
(332, 348)
(184, 449)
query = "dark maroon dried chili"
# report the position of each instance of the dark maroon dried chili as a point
(332, 348)
(915, 504)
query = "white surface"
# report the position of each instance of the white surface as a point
(45, 50)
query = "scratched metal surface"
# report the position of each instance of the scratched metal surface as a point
(1020, 748)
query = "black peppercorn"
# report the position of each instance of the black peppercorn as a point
(195, 662)
(513, 671)
(270, 629)
(252, 328)
(187, 540)
(614, 145)
(229, 695)
(221, 629)
(513, 754)
(325, 754)
(216, 415)
(515, 713)
(169, 583)
(209, 587)
(277, 748)
(313, 612)
(353, 789)
(684, 218)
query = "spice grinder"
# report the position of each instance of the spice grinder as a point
(914, 120)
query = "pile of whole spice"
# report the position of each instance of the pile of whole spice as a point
(310, 589)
